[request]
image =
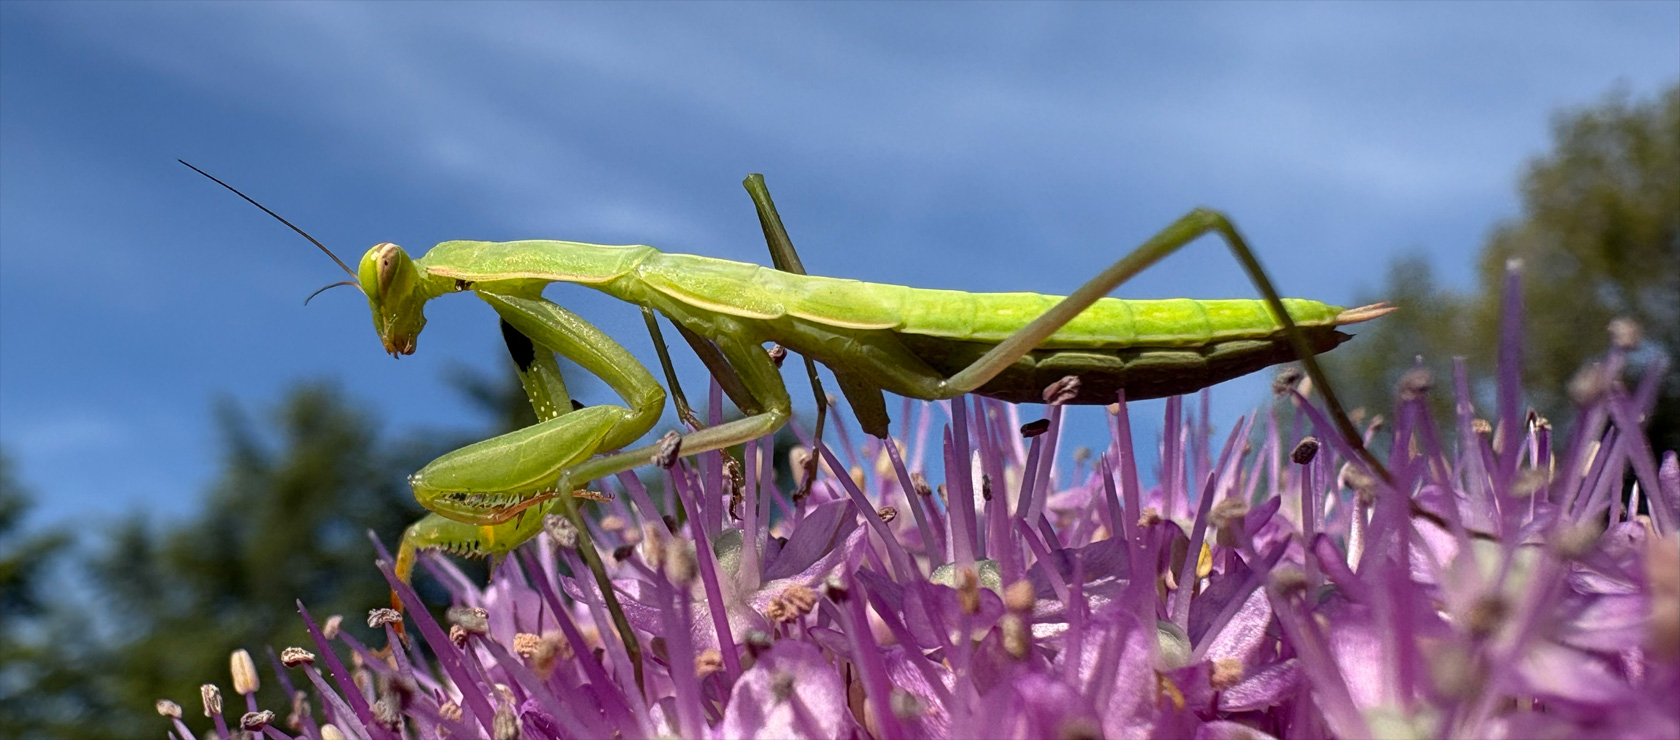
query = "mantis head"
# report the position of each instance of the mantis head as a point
(392, 283)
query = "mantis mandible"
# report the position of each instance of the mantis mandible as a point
(489, 497)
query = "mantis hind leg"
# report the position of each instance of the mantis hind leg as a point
(1186, 229)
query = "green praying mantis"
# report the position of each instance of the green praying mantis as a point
(491, 496)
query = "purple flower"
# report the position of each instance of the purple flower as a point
(1505, 585)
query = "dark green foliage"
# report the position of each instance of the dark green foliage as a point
(39, 694)
(1427, 328)
(284, 521)
(1599, 238)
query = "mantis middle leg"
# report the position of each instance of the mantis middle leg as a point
(759, 377)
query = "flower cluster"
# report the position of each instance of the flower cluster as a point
(1506, 585)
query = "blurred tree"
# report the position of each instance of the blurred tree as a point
(1427, 330)
(1599, 238)
(284, 521)
(42, 692)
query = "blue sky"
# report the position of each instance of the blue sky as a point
(978, 147)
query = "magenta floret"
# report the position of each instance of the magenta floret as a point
(1490, 583)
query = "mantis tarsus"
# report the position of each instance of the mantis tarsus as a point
(489, 497)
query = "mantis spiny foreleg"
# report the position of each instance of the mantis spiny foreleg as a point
(526, 459)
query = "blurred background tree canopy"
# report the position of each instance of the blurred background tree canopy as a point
(1599, 239)
(92, 636)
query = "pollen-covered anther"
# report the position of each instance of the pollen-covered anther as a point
(1020, 597)
(300, 711)
(613, 523)
(293, 657)
(212, 698)
(905, 705)
(505, 725)
(856, 474)
(1304, 451)
(1528, 482)
(1149, 517)
(330, 628)
(887, 514)
(1573, 542)
(920, 484)
(1227, 520)
(1360, 481)
(792, 603)
(781, 685)
(1590, 384)
(561, 530)
(244, 670)
(1227, 672)
(883, 461)
(470, 618)
(450, 712)
(255, 721)
(1625, 333)
(799, 457)
(458, 635)
(382, 616)
(653, 542)
(1166, 689)
(778, 354)
(680, 565)
(1415, 383)
(542, 652)
(709, 661)
(525, 643)
(1017, 636)
(968, 591)
(1486, 614)
(1456, 671)
(387, 711)
(835, 590)
(1289, 581)
(1079, 728)
(168, 709)
(1062, 391)
(1662, 572)
(1288, 377)
(670, 448)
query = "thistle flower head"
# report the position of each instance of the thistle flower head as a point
(1505, 584)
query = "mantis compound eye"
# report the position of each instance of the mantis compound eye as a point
(387, 258)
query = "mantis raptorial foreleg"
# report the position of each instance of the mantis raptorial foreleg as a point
(456, 484)
(535, 329)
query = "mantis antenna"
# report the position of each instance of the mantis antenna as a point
(301, 232)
